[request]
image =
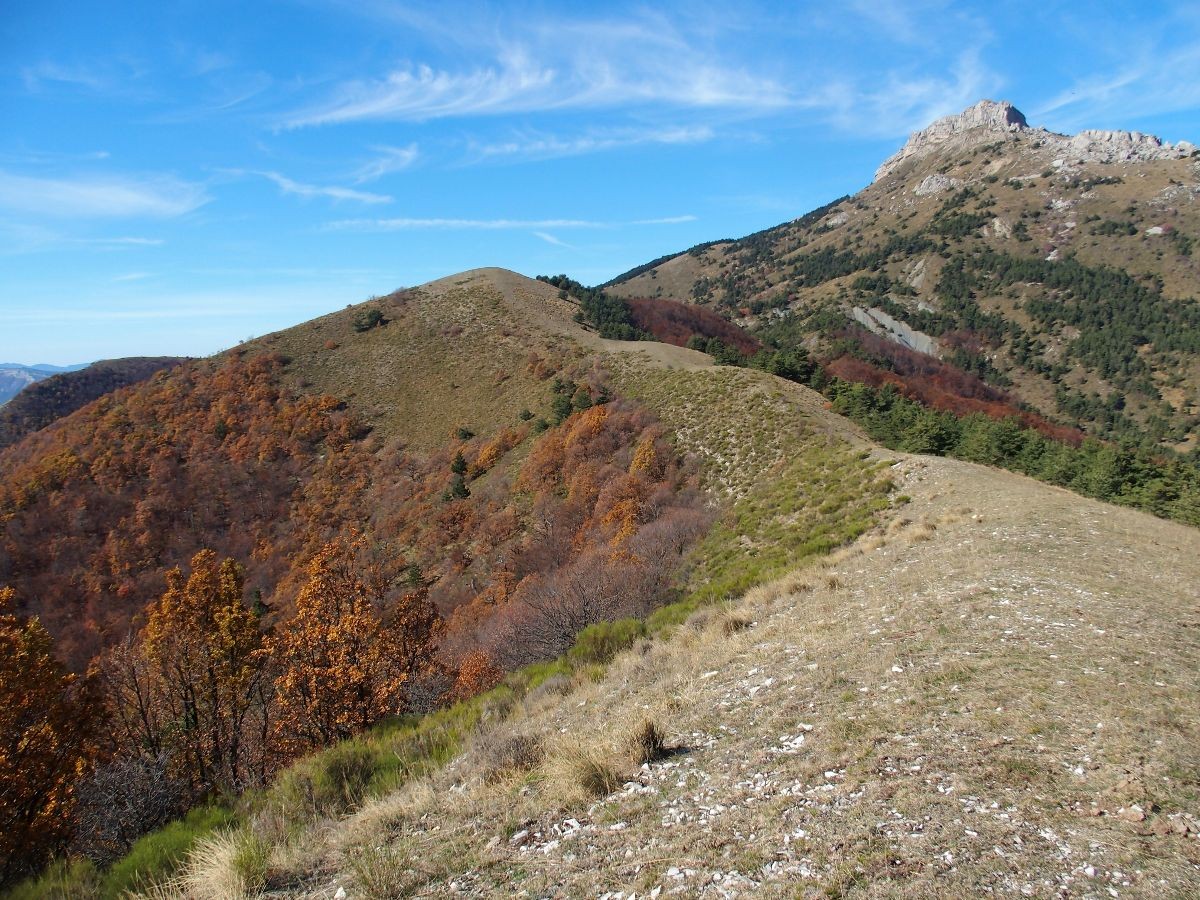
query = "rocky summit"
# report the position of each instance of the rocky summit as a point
(990, 120)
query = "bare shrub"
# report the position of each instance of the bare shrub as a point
(383, 873)
(731, 624)
(582, 771)
(923, 531)
(122, 801)
(554, 686)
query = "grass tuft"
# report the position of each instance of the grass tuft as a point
(647, 743)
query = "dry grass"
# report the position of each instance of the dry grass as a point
(508, 755)
(647, 743)
(454, 353)
(974, 710)
(579, 771)
(227, 865)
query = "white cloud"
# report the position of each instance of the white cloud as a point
(288, 186)
(550, 146)
(151, 196)
(551, 239)
(458, 224)
(389, 160)
(555, 66)
(37, 76)
(665, 220)
(899, 102)
(18, 238)
(132, 276)
(532, 225)
(705, 64)
(121, 242)
(1148, 80)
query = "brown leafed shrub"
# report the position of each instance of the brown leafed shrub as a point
(676, 323)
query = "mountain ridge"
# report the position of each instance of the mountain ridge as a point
(998, 246)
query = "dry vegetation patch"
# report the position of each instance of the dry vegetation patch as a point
(995, 697)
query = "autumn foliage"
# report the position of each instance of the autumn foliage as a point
(938, 384)
(193, 685)
(247, 576)
(342, 668)
(676, 323)
(46, 743)
(96, 507)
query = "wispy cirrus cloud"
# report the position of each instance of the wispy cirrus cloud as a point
(43, 74)
(552, 240)
(410, 224)
(299, 189)
(118, 242)
(17, 238)
(536, 146)
(146, 196)
(1134, 83)
(708, 67)
(531, 225)
(899, 101)
(555, 66)
(665, 220)
(386, 161)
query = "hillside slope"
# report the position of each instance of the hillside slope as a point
(1059, 269)
(453, 352)
(993, 693)
(62, 393)
(268, 451)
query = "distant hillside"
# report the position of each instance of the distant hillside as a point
(1060, 271)
(58, 395)
(14, 377)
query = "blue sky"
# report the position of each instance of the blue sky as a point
(175, 177)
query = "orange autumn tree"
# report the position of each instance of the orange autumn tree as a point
(205, 656)
(341, 667)
(45, 743)
(477, 673)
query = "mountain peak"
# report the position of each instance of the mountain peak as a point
(974, 124)
(987, 119)
(995, 115)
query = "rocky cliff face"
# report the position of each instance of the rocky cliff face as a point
(988, 121)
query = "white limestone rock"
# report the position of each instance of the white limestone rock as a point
(936, 184)
(988, 121)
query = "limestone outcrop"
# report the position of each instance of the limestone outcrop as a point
(989, 120)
